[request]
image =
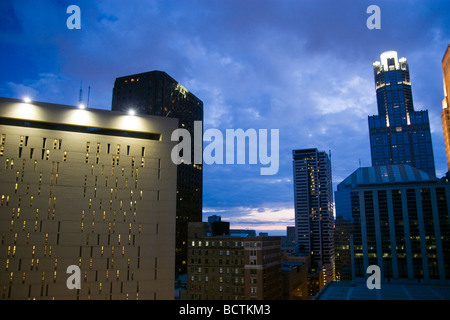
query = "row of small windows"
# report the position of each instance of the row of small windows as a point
(109, 149)
(45, 155)
(6, 291)
(57, 145)
(214, 243)
(237, 280)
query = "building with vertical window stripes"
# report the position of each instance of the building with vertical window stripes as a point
(90, 188)
(314, 215)
(399, 219)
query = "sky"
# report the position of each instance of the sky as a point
(303, 67)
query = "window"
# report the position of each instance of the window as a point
(159, 168)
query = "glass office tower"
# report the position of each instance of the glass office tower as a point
(398, 134)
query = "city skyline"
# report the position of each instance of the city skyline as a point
(300, 67)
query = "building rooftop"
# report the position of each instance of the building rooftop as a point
(348, 290)
(45, 115)
(290, 265)
(400, 173)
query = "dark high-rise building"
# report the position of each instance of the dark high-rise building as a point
(156, 93)
(398, 134)
(314, 217)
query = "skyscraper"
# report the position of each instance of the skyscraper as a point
(314, 218)
(156, 93)
(90, 188)
(398, 134)
(445, 114)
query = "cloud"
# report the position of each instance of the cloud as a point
(355, 95)
(47, 84)
(302, 67)
(268, 217)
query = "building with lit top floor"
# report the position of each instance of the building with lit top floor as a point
(398, 134)
(89, 188)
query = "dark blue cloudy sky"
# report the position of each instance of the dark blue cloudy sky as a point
(301, 66)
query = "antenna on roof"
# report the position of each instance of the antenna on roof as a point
(89, 93)
(80, 97)
(360, 162)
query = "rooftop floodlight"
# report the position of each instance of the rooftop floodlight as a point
(131, 112)
(27, 100)
(81, 106)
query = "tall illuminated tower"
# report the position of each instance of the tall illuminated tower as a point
(398, 134)
(314, 219)
(445, 114)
